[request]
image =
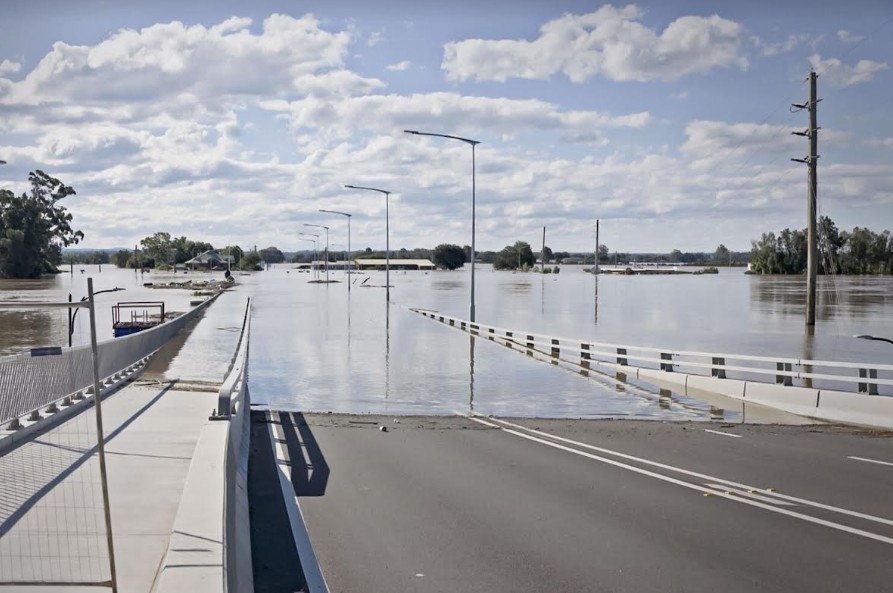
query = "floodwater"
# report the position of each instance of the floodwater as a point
(320, 347)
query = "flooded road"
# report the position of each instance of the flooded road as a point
(320, 347)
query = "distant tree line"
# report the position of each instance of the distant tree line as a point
(860, 251)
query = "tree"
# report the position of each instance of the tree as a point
(272, 255)
(546, 254)
(158, 250)
(449, 256)
(34, 228)
(250, 261)
(721, 255)
(513, 257)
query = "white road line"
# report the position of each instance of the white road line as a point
(699, 488)
(725, 434)
(870, 460)
(686, 472)
(316, 582)
(749, 494)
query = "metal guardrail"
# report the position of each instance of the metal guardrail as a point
(236, 379)
(860, 377)
(234, 406)
(46, 378)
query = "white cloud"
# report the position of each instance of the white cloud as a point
(399, 66)
(769, 49)
(9, 67)
(842, 75)
(680, 96)
(374, 38)
(175, 60)
(610, 42)
(847, 37)
(389, 114)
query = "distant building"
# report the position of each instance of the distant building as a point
(210, 259)
(396, 264)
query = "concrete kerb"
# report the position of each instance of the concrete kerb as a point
(871, 411)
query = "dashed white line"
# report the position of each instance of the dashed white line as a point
(725, 434)
(870, 460)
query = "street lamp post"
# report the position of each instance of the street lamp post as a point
(315, 241)
(73, 316)
(473, 143)
(348, 241)
(387, 237)
(322, 226)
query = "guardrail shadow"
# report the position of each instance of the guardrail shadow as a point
(309, 470)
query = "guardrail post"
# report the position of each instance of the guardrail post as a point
(666, 366)
(717, 370)
(584, 356)
(530, 342)
(556, 351)
(786, 380)
(491, 331)
(869, 388)
(621, 356)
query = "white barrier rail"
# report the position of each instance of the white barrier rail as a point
(862, 378)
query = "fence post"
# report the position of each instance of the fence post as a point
(666, 366)
(717, 370)
(621, 356)
(869, 388)
(786, 380)
(585, 357)
(556, 351)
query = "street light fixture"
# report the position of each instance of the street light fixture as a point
(327, 246)
(315, 241)
(877, 339)
(348, 240)
(73, 315)
(387, 237)
(473, 143)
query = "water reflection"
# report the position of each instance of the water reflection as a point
(471, 373)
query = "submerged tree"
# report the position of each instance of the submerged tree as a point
(514, 257)
(449, 256)
(34, 227)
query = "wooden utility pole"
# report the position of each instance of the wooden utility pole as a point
(812, 194)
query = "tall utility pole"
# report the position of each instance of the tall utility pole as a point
(812, 193)
(543, 253)
(596, 250)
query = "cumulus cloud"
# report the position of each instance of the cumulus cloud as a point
(843, 75)
(9, 67)
(847, 37)
(175, 60)
(386, 113)
(399, 66)
(768, 48)
(610, 42)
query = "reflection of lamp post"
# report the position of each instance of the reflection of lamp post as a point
(473, 143)
(73, 316)
(347, 271)
(315, 241)
(327, 246)
(875, 338)
(387, 237)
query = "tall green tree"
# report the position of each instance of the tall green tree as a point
(513, 257)
(449, 256)
(34, 227)
(272, 255)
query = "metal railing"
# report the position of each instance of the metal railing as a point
(45, 378)
(234, 406)
(857, 377)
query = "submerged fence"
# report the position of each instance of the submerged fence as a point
(866, 378)
(45, 377)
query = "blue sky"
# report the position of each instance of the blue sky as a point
(236, 122)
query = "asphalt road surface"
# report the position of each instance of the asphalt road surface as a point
(497, 505)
